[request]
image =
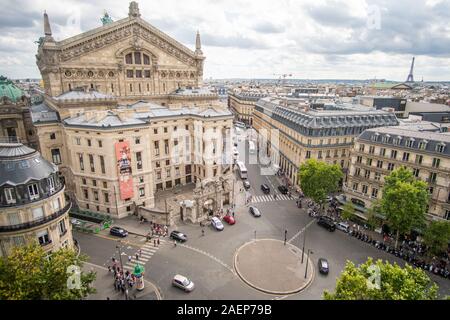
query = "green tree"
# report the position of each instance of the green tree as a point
(437, 237)
(348, 211)
(382, 281)
(318, 179)
(404, 201)
(372, 220)
(27, 274)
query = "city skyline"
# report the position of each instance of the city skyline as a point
(249, 39)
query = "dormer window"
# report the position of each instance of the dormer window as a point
(410, 143)
(423, 144)
(10, 195)
(397, 140)
(440, 147)
(33, 191)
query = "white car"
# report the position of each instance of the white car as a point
(182, 282)
(75, 222)
(343, 227)
(217, 224)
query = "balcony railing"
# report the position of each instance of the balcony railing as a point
(37, 222)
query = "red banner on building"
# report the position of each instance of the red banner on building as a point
(123, 156)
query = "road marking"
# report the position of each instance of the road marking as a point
(267, 198)
(210, 256)
(301, 231)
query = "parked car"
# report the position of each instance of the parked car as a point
(217, 224)
(118, 232)
(283, 189)
(327, 223)
(324, 268)
(246, 184)
(177, 235)
(75, 222)
(229, 219)
(183, 283)
(265, 188)
(255, 211)
(343, 226)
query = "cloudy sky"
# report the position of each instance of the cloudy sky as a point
(311, 39)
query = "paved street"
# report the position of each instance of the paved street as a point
(208, 260)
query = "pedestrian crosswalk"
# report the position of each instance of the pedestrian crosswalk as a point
(270, 197)
(144, 254)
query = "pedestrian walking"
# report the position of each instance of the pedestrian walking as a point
(109, 269)
(137, 257)
(233, 214)
(158, 242)
(140, 252)
(154, 242)
(129, 258)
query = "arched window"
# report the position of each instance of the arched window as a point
(129, 59)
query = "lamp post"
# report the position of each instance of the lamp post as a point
(306, 269)
(119, 247)
(304, 240)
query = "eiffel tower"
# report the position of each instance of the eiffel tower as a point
(410, 75)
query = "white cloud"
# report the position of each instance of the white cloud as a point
(253, 39)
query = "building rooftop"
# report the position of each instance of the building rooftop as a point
(20, 164)
(43, 113)
(409, 137)
(83, 95)
(10, 90)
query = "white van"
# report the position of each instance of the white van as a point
(343, 227)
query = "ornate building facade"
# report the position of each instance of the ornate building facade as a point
(378, 151)
(124, 116)
(291, 134)
(32, 202)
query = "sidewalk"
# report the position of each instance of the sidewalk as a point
(105, 288)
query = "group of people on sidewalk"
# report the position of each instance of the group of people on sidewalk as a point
(123, 282)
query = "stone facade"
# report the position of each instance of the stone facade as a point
(177, 133)
(379, 151)
(290, 135)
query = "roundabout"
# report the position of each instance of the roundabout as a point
(270, 266)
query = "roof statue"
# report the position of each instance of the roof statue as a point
(198, 45)
(134, 10)
(106, 18)
(47, 29)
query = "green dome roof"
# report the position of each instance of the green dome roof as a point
(10, 90)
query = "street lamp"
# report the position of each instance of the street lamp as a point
(306, 269)
(120, 255)
(304, 240)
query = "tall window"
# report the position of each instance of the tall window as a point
(80, 158)
(33, 191)
(62, 228)
(10, 195)
(102, 164)
(157, 148)
(56, 156)
(43, 237)
(129, 59)
(166, 146)
(139, 160)
(91, 163)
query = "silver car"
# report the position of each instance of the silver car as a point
(217, 224)
(183, 283)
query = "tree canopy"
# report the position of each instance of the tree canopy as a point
(437, 237)
(318, 179)
(28, 274)
(382, 281)
(404, 201)
(348, 211)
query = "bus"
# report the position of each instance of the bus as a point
(242, 169)
(251, 147)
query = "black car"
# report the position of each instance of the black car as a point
(283, 189)
(177, 235)
(254, 211)
(246, 184)
(265, 188)
(324, 267)
(327, 223)
(119, 232)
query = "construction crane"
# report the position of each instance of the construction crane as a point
(284, 75)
